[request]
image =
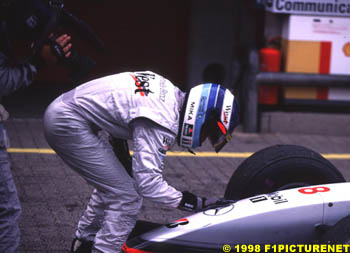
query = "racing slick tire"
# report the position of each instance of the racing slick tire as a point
(280, 167)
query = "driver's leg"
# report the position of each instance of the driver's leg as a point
(93, 158)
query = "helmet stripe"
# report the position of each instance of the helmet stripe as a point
(220, 100)
(200, 116)
(212, 97)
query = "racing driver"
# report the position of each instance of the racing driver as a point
(148, 109)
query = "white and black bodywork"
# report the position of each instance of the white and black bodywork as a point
(284, 217)
(299, 215)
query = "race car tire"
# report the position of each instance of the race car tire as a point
(280, 167)
(338, 234)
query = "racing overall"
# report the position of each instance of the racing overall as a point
(139, 106)
(12, 77)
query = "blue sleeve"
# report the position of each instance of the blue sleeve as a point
(14, 76)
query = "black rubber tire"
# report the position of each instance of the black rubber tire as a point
(338, 234)
(280, 167)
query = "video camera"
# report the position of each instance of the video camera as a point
(36, 20)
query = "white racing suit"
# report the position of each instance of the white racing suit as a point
(141, 106)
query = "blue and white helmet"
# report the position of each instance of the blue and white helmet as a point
(211, 111)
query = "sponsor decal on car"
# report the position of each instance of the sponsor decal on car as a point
(180, 222)
(313, 190)
(275, 197)
(258, 199)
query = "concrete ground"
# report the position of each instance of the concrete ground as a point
(53, 196)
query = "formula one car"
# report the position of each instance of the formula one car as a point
(282, 195)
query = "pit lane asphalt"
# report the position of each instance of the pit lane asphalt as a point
(53, 197)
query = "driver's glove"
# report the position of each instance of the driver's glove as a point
(193, 203)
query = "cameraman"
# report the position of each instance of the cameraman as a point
(13, 76)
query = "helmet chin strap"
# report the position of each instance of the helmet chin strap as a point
(220, 144)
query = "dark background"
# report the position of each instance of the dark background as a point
(138, 35)
(187, 41)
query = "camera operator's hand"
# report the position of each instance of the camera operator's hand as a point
(50, 56)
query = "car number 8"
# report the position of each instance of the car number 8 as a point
(313, 190)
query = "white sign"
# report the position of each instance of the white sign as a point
(309, 7)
